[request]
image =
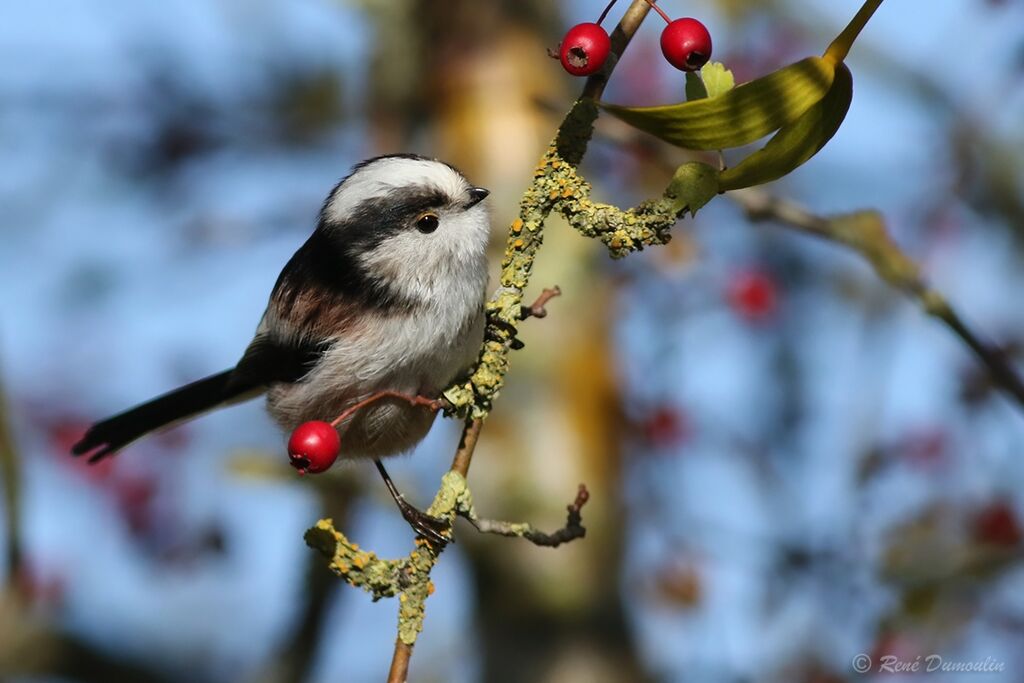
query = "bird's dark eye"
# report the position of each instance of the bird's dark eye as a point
(427, 223)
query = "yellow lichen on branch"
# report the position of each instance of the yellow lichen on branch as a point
(407, 577)
(361, 569)
(557, 187)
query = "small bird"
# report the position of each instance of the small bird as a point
(386, 295)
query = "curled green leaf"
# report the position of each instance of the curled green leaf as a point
(741, 115)
(797, 142)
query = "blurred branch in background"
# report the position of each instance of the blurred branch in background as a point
(865, 232)
(30, 644)
(10, 476)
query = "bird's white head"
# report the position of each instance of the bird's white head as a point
(413, 225)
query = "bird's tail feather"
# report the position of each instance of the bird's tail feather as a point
(111, 435)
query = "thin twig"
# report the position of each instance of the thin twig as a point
(399, 671)
(536, 309)
(467, 445)
(572, 530)
(995, 358)
(760, 205)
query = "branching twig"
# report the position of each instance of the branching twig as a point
(536, 309)
(865, 232)
(572, 530)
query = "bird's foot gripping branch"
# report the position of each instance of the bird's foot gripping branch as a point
(408, 578)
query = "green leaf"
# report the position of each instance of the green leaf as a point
(693, 185)
(797, 142)
(740, 116)
(695, 89)
(717, 79)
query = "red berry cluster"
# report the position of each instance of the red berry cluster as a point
(685, 43)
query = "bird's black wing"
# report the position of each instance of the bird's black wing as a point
(267, 361)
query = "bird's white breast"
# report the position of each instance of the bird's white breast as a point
(417, 352)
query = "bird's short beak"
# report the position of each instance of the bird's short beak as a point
(477, 195)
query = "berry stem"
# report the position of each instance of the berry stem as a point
(432, 403)
(659, 11)
(840, 47)
(605, 12)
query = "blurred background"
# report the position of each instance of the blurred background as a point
(789, 463)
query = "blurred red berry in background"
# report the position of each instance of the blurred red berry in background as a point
(665, 427)
(753, 295)
(997, 524)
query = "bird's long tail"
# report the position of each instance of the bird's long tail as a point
(111, 435)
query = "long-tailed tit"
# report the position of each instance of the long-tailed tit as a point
(386, 295)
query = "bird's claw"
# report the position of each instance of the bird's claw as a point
(434, 529)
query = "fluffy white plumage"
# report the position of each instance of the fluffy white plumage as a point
(415, 351)
(386, 294)
(381, 176)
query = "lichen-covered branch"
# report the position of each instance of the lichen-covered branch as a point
(865, 232)
(621, 230)
(558, 186)
(359, 568)
(409, 577)
(505, 309)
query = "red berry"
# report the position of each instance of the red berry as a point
(666, 427)
(925, 447)
(997, 524)
(313, 447)
(585, 49)
(752, 295)
(686, 44)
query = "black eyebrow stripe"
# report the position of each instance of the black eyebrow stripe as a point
(327, 267)
(411, 204)
(329, 261)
